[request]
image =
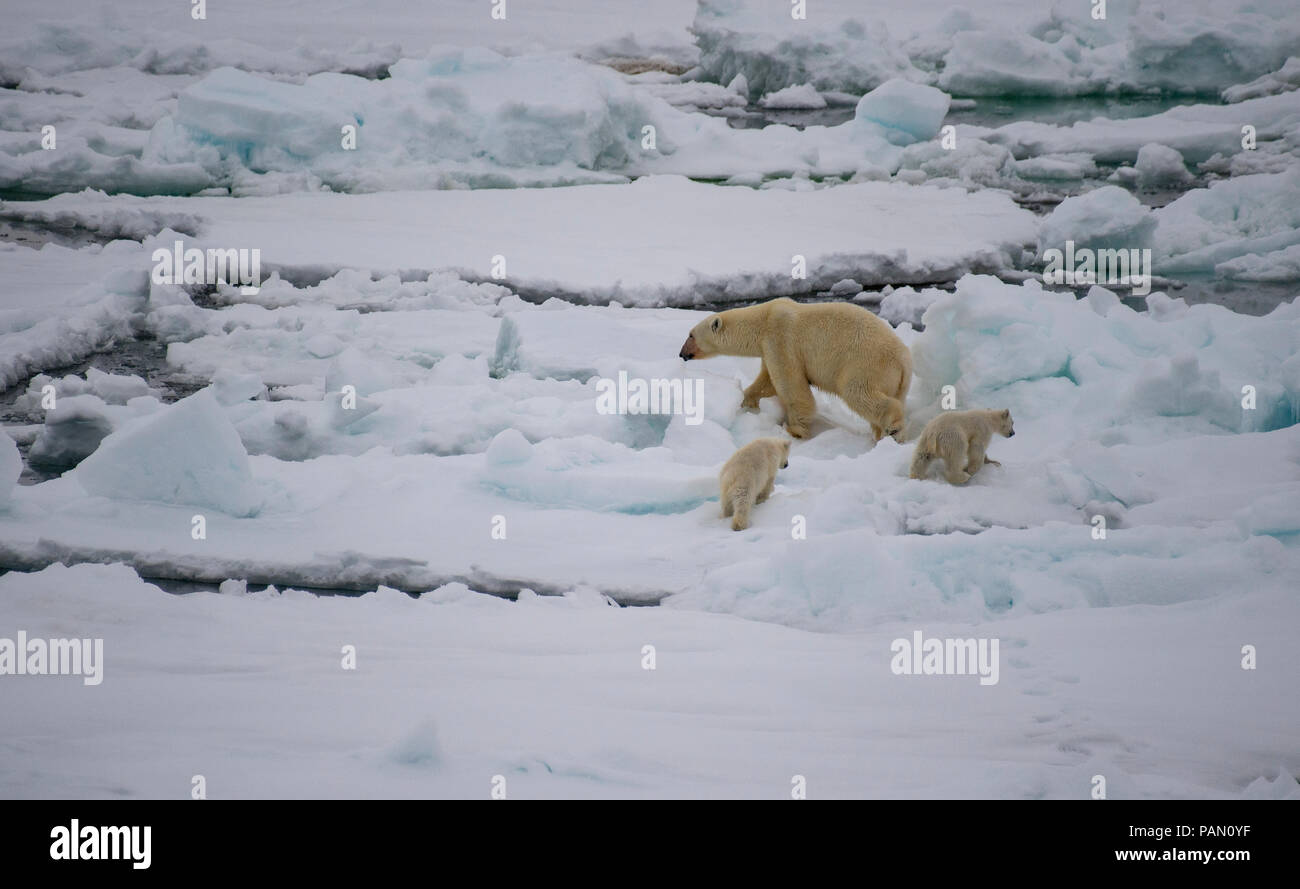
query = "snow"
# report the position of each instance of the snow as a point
(1171, 47)
(1276, 266)
(693, 95)
(188, 453)
(1197, 131)
(907, 305)
(1198, 552)
(1160, 166)
(1073, 166)
(1188, 46)
(1080, 378)
(11, 466)
(165, 110)
(1064, 348)
(734, 708)
(1188, 49)
(82, 412)
(1251, 221)
(643, 247)
(802, 96)
(473, 117)
(329, 35)
(71, 432)
(773, 51)
(509, 446)
(1108, 217)
(455, 116)
(106, 388)
(912, 109)
(1283, 80)
(60, 305)
(410, 405)
(1007, 47)
(107, 217)
(999, 63)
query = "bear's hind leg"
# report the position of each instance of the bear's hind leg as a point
(875, 407)
(797, 399)
(743, 503)
(953, 463)
(956, 477)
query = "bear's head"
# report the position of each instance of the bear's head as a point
(785, 454)
(1004, 425)
(892, 421)
(708, 338)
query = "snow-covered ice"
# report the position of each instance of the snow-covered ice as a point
(1107, 217)
(1197, 131)
(454, 688)
(1082, 379)
(640, 247)
(1000, 47)
(1159, 165)
(801, 96)
(411, 403)
(60, 305)
(487, 120)
(1255, 218)
(189, 454)
(11, 466)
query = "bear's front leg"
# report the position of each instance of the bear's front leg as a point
(798, 418)
(758, 390)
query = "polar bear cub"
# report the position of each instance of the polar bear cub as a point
(747, 478)
(960, 439)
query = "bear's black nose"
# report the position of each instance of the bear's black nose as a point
(682, 355)
(1011, 434)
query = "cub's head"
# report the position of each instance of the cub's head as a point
(1004, 426)
(785, 453)
(706, 339)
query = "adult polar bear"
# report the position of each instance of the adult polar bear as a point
(837, 347)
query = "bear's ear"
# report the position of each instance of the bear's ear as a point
(717, 323)
(1006, 414)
